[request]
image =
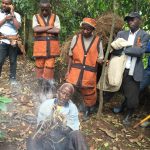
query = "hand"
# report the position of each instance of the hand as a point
(66, 76)
(107, 62)
(11, 8)
(49, 28)
(100, 61)
(8, 17)
(139, 44)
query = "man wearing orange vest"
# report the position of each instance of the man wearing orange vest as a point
(85, 51)
(46, 26)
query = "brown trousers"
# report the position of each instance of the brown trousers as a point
(45, 68)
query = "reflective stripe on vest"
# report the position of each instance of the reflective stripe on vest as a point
(84, 68)
(46, 45)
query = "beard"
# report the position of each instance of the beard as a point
(6, 10)
(61, 102)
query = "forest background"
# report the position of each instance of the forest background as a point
(71, 12)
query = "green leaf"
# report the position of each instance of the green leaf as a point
(2, 135)
(106, 144)
(3, 107)
(5, 100)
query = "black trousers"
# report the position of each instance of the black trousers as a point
(58, 140)
(131, 90)
(11, 52)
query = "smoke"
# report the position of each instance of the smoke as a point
(47, 89)
(52, 133)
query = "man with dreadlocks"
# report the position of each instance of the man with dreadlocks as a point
(58, 124)
(46, 27)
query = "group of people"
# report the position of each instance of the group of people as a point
(86, 52)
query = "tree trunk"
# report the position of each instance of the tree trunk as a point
(24, 30)
(136, 6)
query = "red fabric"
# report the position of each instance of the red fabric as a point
(46, 47)
(89, 96)
(88, 77)
(45, 68)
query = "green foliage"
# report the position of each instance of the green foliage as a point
(3, 102)
(71, 12)
(2, 135)
(105, 146)
(145, 59)
(26, 7)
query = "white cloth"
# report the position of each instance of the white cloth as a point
(8, 27)
(120, 43)
(87, 42)
(56, 23)
(115, 70)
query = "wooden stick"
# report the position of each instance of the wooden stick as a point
(105, 61)
(143, 120)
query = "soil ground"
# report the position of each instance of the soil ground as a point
(104, 133)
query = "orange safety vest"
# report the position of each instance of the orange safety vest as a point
(84, 67)
(46, 45)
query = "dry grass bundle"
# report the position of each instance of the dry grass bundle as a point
(65, 49)
(104, 23)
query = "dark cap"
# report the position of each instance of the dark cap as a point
(132, 15)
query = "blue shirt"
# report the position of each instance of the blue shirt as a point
(69, 111)
(148, 51)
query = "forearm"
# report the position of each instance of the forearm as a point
(134, 51)
(54, 31)
(39, 29)
(16, 23)
(2, 21)
(69, 63)
(137, 51)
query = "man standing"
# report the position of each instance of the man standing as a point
(46, 26)
(85, 51)
(10, 22)
(133, 73)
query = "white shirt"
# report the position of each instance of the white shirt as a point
(56, 23)
(131, 39)
(8, 27)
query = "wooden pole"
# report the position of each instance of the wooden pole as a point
(105, 61)
(142, 121)
(24, 30)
